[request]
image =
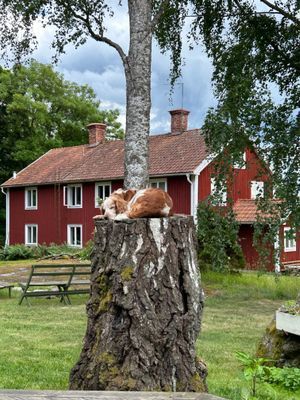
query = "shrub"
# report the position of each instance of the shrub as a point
(23, 252)
(218, 239)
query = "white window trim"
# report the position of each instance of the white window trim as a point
(292, 248)
(69, 235)
(257, 193)
(238, 165)
(27, 207)
(67, 195)
(26, 234)
(97, 184)
(213, 188)
(157, 180)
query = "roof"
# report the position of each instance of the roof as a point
(246, 211)
(169, 154)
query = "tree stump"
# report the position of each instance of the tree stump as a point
(144, 313)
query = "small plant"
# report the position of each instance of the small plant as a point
(254, 370)
(291, 307)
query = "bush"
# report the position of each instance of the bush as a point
(23, 252)
(217, 233)
(17, 252)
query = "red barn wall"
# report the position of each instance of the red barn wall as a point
(241, 187)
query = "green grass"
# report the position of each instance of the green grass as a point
(40, 344)
(237, 311)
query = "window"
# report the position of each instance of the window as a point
(257, 189)
(75, 235)
(159, 184)
(289, 240)
(102, 191)
(241, 162)
(220, 192)
(31, 235)
(73, 196)
(31, 198)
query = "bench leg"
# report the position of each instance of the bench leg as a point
(9, 292)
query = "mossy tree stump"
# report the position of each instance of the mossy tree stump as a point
(145, 308)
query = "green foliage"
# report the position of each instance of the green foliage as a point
(23, 252)
(218, 241)
(256, 370)
(253, 368)
(286, 377)
(16, 252)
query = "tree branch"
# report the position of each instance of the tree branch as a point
(281, 11)
(100, 37)
(159, 13)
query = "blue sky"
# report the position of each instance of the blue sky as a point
(99, 66)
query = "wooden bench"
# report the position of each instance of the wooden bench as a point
(6, 285)
(56, 280)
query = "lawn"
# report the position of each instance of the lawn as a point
(40, 344)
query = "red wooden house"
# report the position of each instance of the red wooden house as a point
(54, 199)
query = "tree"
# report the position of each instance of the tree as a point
(251, 44)
(39, 110)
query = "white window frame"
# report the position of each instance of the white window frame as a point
(242, 163)
(103, 184)
(154, 183)
(213, 191)
(73, 226)
(290, 244)
(257, 189)
(67, 196)
(28, 191)
(27, 235)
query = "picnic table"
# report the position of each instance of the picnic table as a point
(6, 285)
(62, 280)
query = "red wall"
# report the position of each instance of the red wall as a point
(287, 256)
(52, 217)
(241, 188)
(180, 191)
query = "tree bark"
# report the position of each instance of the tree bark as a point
(138, 95)
(144, 313)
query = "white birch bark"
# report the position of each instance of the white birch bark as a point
(138, 94)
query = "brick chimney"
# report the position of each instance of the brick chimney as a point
(97, 133)
(179, 120)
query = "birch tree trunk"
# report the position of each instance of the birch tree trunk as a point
(138, 94)
(144, 313)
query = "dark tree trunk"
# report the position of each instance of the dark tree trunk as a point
(144, 313)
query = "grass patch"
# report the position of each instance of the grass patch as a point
(40, 344)
(237, 311)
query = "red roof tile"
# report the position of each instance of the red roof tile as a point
(246, 210)
(170, 154)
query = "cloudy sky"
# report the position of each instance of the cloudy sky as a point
(99, 66)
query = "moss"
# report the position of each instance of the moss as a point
(126, 273)
(196, 384)
(105, 301)
(271, 344)
(111, 377)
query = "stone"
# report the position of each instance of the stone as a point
(144, 313)
(280, 347)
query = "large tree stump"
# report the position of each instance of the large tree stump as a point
(145, 308)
